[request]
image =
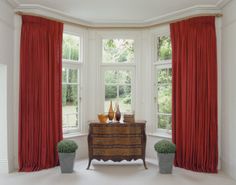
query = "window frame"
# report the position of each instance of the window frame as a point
(117, 66)
(71, 64)
(157, 65)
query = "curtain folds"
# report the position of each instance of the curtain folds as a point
(194, 94)
(40, 106)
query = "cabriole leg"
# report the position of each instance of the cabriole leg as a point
(89, 164)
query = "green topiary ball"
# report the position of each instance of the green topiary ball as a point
(67, 146)
(165, 146)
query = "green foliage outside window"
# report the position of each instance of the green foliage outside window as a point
(118, 88)
(164, 122)
(164, 90)
(164, 84)
(118, 82)
(164, 51)
(164, 98)
(70, 97)
(71, 47)
(70, 87)
(70, 83)
(118, 50)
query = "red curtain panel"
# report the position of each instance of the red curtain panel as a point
(194, 98)
(40, 106)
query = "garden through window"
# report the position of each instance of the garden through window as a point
(71, 83)
(70, 97)
(118, 50)
(118, 71)
(164, 51)
(118, 89)
(71, 48)
(163, 83)
(164, 91)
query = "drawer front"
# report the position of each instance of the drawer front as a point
(116, 130)
(116, 140)
(117, 152)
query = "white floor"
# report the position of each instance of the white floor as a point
(109, 173)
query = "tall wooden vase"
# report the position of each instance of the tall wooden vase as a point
(118, 113)
(110, 112)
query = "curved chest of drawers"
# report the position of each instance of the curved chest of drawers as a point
(117, 142)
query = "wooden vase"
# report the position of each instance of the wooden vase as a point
(118, 113)
(110, 112)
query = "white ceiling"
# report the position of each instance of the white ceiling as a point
(118, 11)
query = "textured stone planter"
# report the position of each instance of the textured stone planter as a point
(166, 162)
(67, 162)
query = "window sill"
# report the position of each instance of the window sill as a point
(160, 135)
(75, 134)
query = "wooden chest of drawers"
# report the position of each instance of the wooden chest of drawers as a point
(117, 142)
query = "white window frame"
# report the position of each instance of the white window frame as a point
(157, 65)
(117, 66)
(68, 64)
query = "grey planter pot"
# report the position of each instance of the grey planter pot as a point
(166, 162)
(67, 162)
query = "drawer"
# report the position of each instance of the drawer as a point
(117, 151)
(96, 140)
(117, 130)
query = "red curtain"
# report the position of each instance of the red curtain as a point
(40, 107)
(194, 102)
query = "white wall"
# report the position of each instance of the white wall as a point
(229, 89)
(3, 118)
(6, 58)
(16, 80)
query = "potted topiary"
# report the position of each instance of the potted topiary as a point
(66, 150)
(166, 153)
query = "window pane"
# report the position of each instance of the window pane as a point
(164, 90)
(164, 96)
(73, 76)
(117, 50)
(110, 92)
(110, 95)
(125, 98)
(70, 75)
(117, 77)
(71, 47)
(118, 89)
(164, 51)
(164, 75)
(111, 77)
(70, 105)
(124, 77)
(122, 97)
(164, 121)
